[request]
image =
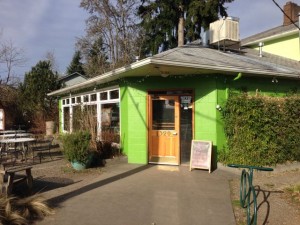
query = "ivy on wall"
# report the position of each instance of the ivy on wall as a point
(261, 130)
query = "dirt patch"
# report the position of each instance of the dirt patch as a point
(275, 203)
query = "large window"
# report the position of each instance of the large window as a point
(110, 119)
(66, 124)
(98, 109)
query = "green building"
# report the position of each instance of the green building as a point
(158, 105)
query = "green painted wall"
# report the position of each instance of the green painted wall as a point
(287, 47)
(209, 91)
(134, 108)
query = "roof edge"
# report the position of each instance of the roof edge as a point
(281, 35)
(109, 76)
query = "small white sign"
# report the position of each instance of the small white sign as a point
(186, 99)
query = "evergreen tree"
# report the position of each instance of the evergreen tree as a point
(76, 65)
(33, 92)
(95, 55)
(160, 20)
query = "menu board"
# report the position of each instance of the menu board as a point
(201, 155)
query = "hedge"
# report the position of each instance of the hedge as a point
(261, 130)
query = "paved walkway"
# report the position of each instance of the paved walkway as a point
(128, 194)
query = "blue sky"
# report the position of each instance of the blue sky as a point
(41, 26)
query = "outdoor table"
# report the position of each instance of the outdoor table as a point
(20, 141)
(11, 131)
(18, 135)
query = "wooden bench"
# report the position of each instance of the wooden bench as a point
(8, 178)
(42, 147)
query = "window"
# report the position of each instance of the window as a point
(110, 117)
(163, 115)
(84, 113)
(114, 94)
(66, 119)
(86, 98)
(93, 97)
(103, 96)
(76, 117)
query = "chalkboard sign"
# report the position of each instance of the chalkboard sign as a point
(201, 155)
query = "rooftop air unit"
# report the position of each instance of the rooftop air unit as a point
(225, 32)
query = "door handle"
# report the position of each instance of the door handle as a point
(175, 133)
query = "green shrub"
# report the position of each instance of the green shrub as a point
(76, 146)
(261, 130)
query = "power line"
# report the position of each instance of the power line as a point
(286, 15)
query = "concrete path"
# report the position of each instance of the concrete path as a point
(129, 194)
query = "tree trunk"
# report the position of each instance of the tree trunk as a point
(181, 27)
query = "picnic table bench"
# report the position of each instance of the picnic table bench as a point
(8, 177)
(42, 147)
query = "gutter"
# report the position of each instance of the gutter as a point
(119, 73)
(225, 68)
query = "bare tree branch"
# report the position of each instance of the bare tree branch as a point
(115, 22)
(10, 58)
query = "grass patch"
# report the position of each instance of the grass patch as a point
(294, 191)
(236, 203)
(270, 185)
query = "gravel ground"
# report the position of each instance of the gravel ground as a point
(275, 204)
(56, 174)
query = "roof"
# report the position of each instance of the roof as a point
(271, 34)
(70, 76)
(194, 59)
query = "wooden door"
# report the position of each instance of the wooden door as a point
(164, 130)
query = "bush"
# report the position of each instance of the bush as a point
(261, 130)
(76, 146)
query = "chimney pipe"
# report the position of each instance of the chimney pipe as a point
(260, 45)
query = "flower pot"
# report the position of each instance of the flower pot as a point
(78, 165)
(81, 166)
(50, 128)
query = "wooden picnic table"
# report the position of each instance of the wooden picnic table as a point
(8, 178)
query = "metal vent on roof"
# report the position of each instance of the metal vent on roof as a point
(225, 32)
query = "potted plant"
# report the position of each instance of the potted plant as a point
(76, 149)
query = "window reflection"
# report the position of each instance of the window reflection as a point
(163, 115)
(66, 119)
(110, 119)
